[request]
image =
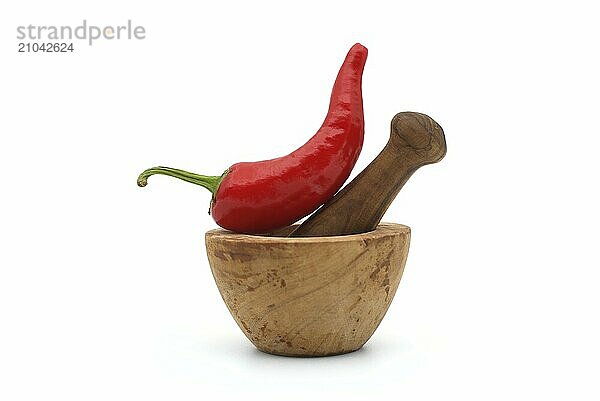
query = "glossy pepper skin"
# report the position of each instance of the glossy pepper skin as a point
(258, 197)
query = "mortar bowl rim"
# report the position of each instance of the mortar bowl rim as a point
(279, 236)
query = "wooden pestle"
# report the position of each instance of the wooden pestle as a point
(415, 141)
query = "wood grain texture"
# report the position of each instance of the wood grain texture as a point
(415, 141)
(308, 296)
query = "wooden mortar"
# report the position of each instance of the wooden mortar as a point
(313, 296)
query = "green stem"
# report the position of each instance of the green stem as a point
(210, 182)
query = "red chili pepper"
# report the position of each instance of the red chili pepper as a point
(257, 197)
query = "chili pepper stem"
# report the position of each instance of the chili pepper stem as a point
(210, 182)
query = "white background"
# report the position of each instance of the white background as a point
(105, 289)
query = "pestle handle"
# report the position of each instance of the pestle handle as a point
(415, 141)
